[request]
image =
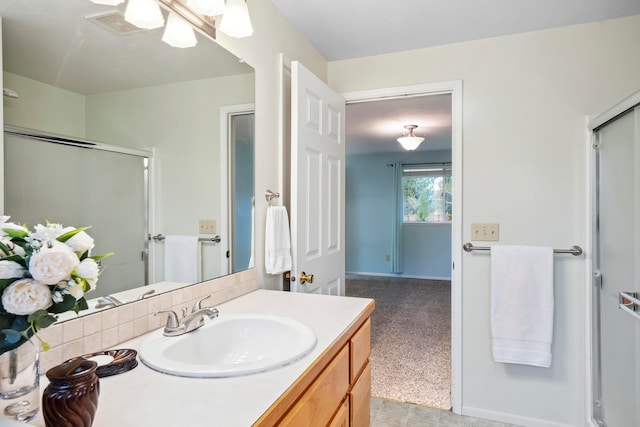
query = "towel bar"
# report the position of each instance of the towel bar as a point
(575, 250)
(214, 239)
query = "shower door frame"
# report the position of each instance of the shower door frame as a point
(592, 358)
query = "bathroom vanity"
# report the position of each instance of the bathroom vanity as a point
(329, 386)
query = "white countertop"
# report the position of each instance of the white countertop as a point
(144, 397)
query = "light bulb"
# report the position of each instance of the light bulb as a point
(179, 33)
(236, 21)
(144, 14)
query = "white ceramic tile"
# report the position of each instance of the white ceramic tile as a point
(52, 335)
(140, 309)
(125, 331)
(72, 349)
(93, 343)
(92, 324)
(109, 319)
(125, 313)
(72, 330)
(110, 337)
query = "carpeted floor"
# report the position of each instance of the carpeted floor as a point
(410, 338)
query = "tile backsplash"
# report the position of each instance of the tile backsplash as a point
(108, 328)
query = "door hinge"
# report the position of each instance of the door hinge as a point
(597, 279)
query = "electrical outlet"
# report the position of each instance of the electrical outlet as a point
(489, 231)
(387, 258)
(207, 226)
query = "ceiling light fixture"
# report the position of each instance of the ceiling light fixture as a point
(410, 142)
(144, 14)
(207, 7)
(178, 32)
(235, 21)
(108, 2)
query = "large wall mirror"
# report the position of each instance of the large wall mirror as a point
(174, 132)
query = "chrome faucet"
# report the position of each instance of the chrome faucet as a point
(191, 322)
(108, 301)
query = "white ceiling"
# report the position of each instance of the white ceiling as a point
(52, 42)
(344, 29)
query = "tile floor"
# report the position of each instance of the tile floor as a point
(388, 413)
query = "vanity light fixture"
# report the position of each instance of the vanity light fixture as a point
(235, 21)
(108, 2)
(144, 14)
(178, 32)
(207, 7)
(410, 142)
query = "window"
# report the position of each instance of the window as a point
(427, 193)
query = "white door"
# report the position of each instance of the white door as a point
(617, 310)
(317, 185)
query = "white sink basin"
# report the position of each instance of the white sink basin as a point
(229, 345)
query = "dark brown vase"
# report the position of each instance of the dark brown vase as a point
(71, 398)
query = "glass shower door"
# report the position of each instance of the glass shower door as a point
(616, 341)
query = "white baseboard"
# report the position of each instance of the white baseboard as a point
(404, 276)
(510, 418)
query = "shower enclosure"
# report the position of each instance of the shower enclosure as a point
(81, 183)
(616, 266)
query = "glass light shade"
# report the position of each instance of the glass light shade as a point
(144, 14)
(207, 7)
(236, 21)
(410, 143)
(108, 2)
(178, 33)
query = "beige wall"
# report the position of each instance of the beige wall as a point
(272, 35)
(525, 99)
(44, 107)
(181, 123)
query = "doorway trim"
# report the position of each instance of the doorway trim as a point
(454, 88)
(226, 114)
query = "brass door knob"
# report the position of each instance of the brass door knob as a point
(306, 278)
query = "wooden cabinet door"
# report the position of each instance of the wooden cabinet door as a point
(360, 397)
(341, 419)
(318, 404)
(360, 349)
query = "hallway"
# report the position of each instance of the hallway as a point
(410, 338)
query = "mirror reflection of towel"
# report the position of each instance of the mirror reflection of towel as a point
(277, 254)
(181, 259)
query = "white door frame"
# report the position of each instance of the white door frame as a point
(455, 89)
(226, 112)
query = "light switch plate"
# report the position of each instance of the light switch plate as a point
(207, 226)
(486, 231)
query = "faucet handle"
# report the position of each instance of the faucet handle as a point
(172, 318)
(198, 305)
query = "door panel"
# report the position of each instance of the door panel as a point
(317, 184)
(618, 241)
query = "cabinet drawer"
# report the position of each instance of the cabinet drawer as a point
(318, 404)
(360, 397)
(360, 345)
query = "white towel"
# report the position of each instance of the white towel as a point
(522, 304)
(252, 262)
(181, 259)
(277, 253)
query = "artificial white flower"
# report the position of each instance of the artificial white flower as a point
(26, 296)
(80, 242)
(53, 263)
(88, 269)
(45, 233)
(11, 270)
(72, 288)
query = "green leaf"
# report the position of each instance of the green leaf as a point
(68, 302)
(82, 304)
(4, 248)
(66, 236)
(6, 282)
(12, 232)
(101, 257)
(10, 336)
(44, 322)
